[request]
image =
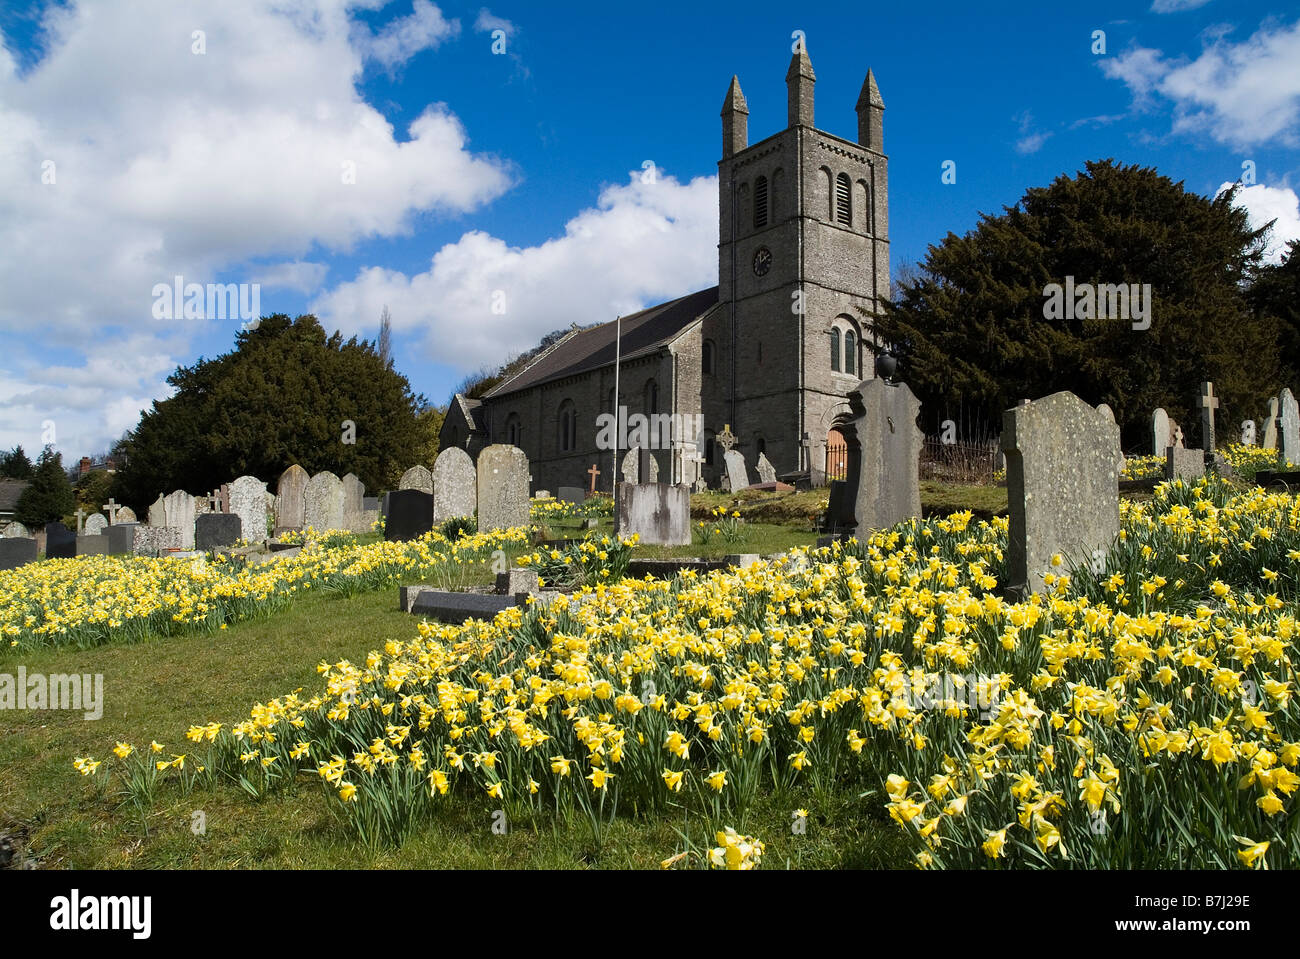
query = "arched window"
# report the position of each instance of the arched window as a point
(828, 184)
(708, 450)
(835, 349)
(652, 397)
(843, 200)
(863, 200)
(568, 426)
(850, 352)
(514, 429)
(706, 357)
(760, 202)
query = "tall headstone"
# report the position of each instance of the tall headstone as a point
(96, 523)
(1270, 425)
(178, 508)
(883, 480)
(409, 515)
(502, 488)
(247, 498)
(354, 505)
(417, 477)
(291, 498)
(737, 474)
(60, 542)
(324, 502)
(660, 514)
(1062, 486)
(766, 471)
(1209, 403)
(455, 485)
(158, 511)
(1159, 432)
(1290, 432)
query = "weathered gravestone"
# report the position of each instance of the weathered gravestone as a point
(883, 481)
(631, 468)
(455, 485)
(1159, 432)
(1062, 486)
(217, 531)
(16, 530)
(248, 502)
(354, 510)
(409, 516)
(154, 540)
(1269, 441)
(179, 510)
(324, 502)
(1186, 465)
(659, 513)
(417, 477)
(17, 551)
(737, 474)
(96, 523)
(1248, 433)
(124, 515)
(571, 494)
(502, 488)
(766, 471)
(60, 542)
(158, 511)
(1289, 440)
(1105, 410)
(291, 498)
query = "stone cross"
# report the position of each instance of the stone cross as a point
(81, 515)
(214, 501)
(726, 439)
(1209, 403)
(111, 508)
(593, 473)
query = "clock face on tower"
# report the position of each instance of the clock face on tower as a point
(762, 261)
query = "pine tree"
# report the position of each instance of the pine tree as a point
(15, 465)
(50, 496)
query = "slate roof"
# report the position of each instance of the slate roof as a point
(472, 410)
(10, 490)
(590, 349)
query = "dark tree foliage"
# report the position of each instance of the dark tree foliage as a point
(50, 496)
(15, 465)
(283, 396)
(971, 329)
(1275, 295)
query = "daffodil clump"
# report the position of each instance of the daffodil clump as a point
(544, 510)
(1137, 717)
(1143, 467)
(1248, 460)
(721, 522)
(586, 563)
(96, 599)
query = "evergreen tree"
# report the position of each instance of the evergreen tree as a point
(1275, 296)
(50, 496)
(971, 329)
(15, 465)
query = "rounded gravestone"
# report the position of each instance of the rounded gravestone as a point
(502, 488)
(1159, 432)
(126, 515)
(14, 530)
(324, 510)
(96, 523)
(291, 498)
(455, 485)
(417, 477)
(248, 502)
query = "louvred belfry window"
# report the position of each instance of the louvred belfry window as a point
(843, 200)
(760, 202)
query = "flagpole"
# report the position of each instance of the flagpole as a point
(618, 353)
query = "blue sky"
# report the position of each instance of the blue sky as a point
(210, 140)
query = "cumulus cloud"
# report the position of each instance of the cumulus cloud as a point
(1176, 6)
(1265, 203)
(645, 241)
(1241, 94)
(154, 139)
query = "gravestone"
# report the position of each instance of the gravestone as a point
(1186, 465)
(700, 485)
(1159, 432)
(883, 481)
(1270, 425)
(291, 498)
(409, 516)
(1289, 438)
(571, 494)
(1176, 435)
(766, 471)
(96, 545)
(179, 510)
(247, 498)
(354, 510)
(502, 488)
(1062, 486)
(737, 474)
(17, 551)
(631, 469)
(154, 540)
(158, 511)
(15, 530)
(370, 504)
(659, 513)
(1105, 410)
(125, 515)
(1248, 433)
(1209, 403)
(540, 494)
(96, 523)
(60, 542)
(121, 536)
(417, 477)
(324, 502)
(455, 485)
(217, 531)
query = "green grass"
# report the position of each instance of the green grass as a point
(157, 689)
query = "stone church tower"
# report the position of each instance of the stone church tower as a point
(771, 351)
(803, 247)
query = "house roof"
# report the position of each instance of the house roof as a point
(10, 490)
(592, 348)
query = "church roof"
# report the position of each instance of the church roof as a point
(592, 348)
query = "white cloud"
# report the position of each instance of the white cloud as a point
(1241, 94)
(488, 21)
(168, 162)
(1029, 142)
(642, 243)
(1176, 6)
(1264, 203)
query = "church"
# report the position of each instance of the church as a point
(769, 352)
